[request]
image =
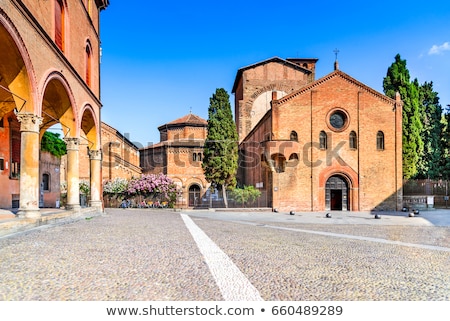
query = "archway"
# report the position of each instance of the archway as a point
(337, 193)
(90, 134)
(194, 195)
(262, 104)
(19, 125)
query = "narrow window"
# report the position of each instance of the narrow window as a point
(294, 136)
(46, 182)
(323, 140)
(88, 65)
(199, 157)
(194, 157)
(352, 140)
(15, 170)
(380, 140)
(59, 24)
(14, 127)
(2, 164)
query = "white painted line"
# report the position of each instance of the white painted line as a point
(350, 236)
(232, 283)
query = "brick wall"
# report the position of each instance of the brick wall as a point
(373, 176)
(254, 88)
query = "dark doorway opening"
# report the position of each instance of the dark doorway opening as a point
(336, 194)
(336, 200)
(194, 195)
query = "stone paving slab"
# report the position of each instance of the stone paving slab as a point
(126, 255)
(337, 217)
(298, 266)
(150, 255)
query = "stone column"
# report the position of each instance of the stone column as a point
(73, 173)
(95, 158)
(29, 165)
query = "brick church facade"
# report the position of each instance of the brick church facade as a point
(315, 145)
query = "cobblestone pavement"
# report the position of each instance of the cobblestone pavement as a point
(150, 255)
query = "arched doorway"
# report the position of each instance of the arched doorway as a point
(194, 195)
(336, 194)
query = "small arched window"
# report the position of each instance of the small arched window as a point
(194, 157)
(293, 160)
(323, 140)
(199, 157)
(380, 140)
(294, 136)
(46, 182)
(352, 140)
(59, 24)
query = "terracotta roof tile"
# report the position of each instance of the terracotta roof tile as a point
(189, 119)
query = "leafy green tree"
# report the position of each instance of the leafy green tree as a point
(431, 133)
(53, 144)
(245, 194)
(445, 140)
(220, 161)
(398, 80)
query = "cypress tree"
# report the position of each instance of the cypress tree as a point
(398, 80)
(432, 132)
(220, 161)
(445, 140)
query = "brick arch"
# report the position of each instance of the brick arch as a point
(349, 175)
(55, 87)
(193, 180)
(90, 126)
(261, 103)
(22, 83)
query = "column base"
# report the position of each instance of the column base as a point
(29, 213)
(73, 207)
(97, 204)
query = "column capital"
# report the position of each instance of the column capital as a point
(72, 143)
(95, 154)
(29, 122)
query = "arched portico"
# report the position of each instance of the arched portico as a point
(43, 84)
(17, 103)
(58, 106)
(33, 107)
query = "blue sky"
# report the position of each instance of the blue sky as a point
(162, 59)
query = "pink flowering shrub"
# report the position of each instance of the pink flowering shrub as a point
(155, 185)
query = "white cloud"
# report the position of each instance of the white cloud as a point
(436, 50)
